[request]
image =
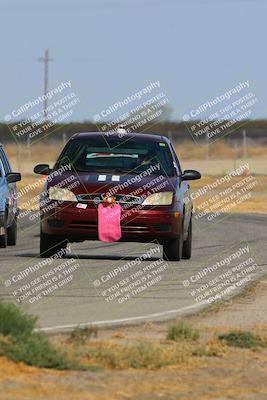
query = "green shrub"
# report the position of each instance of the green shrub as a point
(19, 342)
(140, 355)
(182, 331)
(36, 351)
(144, 355)
(243, 339)
(14, 322)
(81, 335)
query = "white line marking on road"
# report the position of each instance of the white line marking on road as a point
(122, 320)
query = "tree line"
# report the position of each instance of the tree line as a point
(177, 131)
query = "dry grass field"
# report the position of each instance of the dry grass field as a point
(219, 150)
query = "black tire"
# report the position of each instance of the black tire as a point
(187, 247)
(3, 238)
(172, 251)
(12, 234)
(51, 245)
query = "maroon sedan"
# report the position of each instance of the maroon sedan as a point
(141, 171)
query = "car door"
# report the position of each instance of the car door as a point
(183, 192)
(3, 187)
(11, 200)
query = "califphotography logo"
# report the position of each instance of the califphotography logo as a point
(215, 200)
(225, 277)
(24, 288)
(223, 114)
(128, 281)
(137, 111)
(36, 119)
(35, 198)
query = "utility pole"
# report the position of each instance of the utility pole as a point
(207, 147)
(244, 143)
(170, 135)
(45, 60)
(235, 154)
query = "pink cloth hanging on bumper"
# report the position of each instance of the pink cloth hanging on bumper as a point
(109, 226)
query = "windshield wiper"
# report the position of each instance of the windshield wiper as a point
(92, 170)
(122, 171)
(107, 170)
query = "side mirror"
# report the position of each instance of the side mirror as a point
(42, 169)
(190, 175)
(13, 177)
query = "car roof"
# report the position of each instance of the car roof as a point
(116, 135)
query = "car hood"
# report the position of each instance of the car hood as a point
(115, 183)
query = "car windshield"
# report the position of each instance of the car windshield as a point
(131, 156)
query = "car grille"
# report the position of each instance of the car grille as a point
(97, 198)
(126, 227)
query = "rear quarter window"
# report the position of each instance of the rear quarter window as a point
(5, 161)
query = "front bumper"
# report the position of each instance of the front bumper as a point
(160, 223)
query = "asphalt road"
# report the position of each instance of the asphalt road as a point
(109, 284)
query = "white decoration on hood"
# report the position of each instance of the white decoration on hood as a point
(81, 205)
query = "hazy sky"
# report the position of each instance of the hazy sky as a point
(109, 49)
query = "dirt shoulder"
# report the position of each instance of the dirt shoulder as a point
(246, 312)
(216, 371)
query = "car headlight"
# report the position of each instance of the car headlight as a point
(61, 194)
(158, 199)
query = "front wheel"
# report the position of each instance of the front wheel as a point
(12, 233)
(51, 245)
(172, 251)
(187, 246)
